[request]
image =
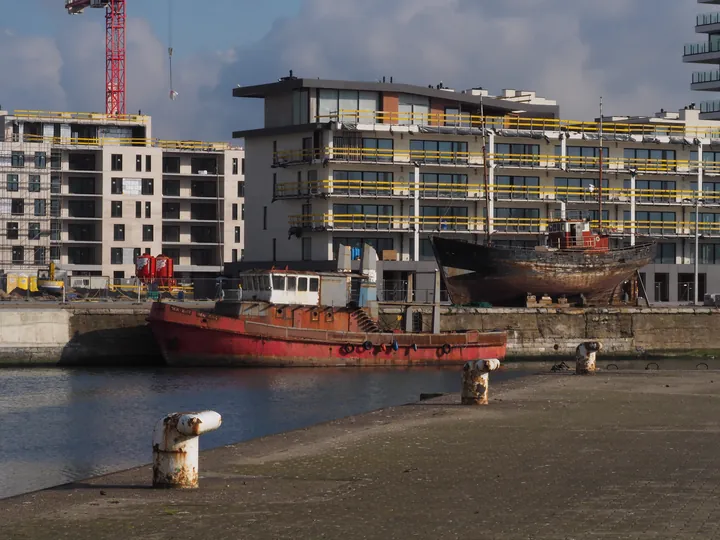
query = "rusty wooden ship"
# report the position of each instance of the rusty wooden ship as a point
(575, 263)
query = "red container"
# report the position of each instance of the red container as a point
(145, 268)
(164, 271)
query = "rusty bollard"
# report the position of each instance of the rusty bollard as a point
(176, 448)
(586, 356)
(476, 380)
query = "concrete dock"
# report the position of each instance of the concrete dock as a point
(616, 455)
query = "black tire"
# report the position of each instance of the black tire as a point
(446, 348)
(367, 345)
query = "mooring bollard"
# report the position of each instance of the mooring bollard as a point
(176, 448)
(586, 356)
(476, 380)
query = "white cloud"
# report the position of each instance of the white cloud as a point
(629, 51)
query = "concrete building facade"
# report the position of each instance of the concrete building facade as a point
(706, 52)
(92, 193)
(336, 162)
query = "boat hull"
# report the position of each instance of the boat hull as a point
(475, 273)
(192, 338)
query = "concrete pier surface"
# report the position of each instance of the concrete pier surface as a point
(615, 455)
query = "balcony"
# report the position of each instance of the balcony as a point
(707, 23)
(701, 53)
(706, 81)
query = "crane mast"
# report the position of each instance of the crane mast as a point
(115, 24)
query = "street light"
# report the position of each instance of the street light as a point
(697, 242)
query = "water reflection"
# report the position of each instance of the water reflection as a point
(62, 425)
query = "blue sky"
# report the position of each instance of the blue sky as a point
(628, 51)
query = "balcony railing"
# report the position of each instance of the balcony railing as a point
(535, 125)
(700, 77)
(362, 222)
(194, 146)
(705, 19)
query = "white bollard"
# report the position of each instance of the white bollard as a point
(476, 381)
(176, 448)
(586, 356)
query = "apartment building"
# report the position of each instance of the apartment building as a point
(92, 193)
(341, 162)
(706, 52)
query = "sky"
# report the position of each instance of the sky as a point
(627, 51)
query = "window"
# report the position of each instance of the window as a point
(81, 232)
(242, 211)
(55, 159)
(579, 189)
(81, 209)
(34, 183)
(148, 233)
(138, 163)
(264, 218)
(662, 287)
(238, 236)
(116, 162)
(147, 186)
(347, 105)
(517, 219)
(665, 253)
(13, 182)
(171, 188)
(119, 233)
(34, 231)
(302, 285)
(55, 253)
(55, 208)
(652, 222)
(205, 165)
(274, 249)
(650, 159)
(171, 164)
(116, 256)
(442, 185)
(439, 218)
(55, 230)
(583, 157)
(314, 284)
(40, 160)
(234, 255)
(12, 230)
(81, 185)
(439, 151)
(362, 183)
(242, 166)
(278, 283)
(241, 189)
(17, 159)
(356, 245)
(654, 190)
(306, 249)
(138, 209)
(517, 187)
(362, 216)
(413, 110)
(116, 186)
(55, 185)
(116, 209)
(148, 163)
(234, 165)
(148, 210)
(136, 253)
(40, 209)
(39, 255)
(17, 207)
(372, 150)
(517, 155)
(18, 255)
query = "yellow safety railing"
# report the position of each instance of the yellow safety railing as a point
(405, 189)
(462, 223)
(514, 122)
(198, 146)
(101, 117)
(543, 161)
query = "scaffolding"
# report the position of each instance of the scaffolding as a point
(25, 206)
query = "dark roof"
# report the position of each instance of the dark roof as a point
(286, 85)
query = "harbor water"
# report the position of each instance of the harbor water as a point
(63, 425)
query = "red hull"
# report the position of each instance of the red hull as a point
(191, 338)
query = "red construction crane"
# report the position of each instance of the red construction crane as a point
(115, 104)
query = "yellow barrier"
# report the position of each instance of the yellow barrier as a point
(198, 146)
(101, 117)
(442, 223)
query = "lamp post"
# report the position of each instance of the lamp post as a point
(697, 248)
(416, 211)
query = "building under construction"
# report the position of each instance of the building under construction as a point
(92, 192)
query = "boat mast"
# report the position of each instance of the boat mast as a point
(600, 168)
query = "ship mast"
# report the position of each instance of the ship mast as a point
(600, 169)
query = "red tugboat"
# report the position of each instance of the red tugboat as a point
(285, 318)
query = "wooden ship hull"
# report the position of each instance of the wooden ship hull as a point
(475, 273)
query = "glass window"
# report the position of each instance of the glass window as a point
(314, 284)
(12, 230)
(116, 256)
(17, 159)
(291, 283)
(119, 233)
(302, 284)
(278, 283)
(40, 207)
(148, 233)
(40, 160)
(147, 186)
(116, 162)
(34, 231)
(116, 209)
(34, 183)
(13, 182)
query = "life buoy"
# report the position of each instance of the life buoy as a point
(367, 345)
(383, 347)
(347, 348)
(395, 345)
(446, 348)
(414, 347)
